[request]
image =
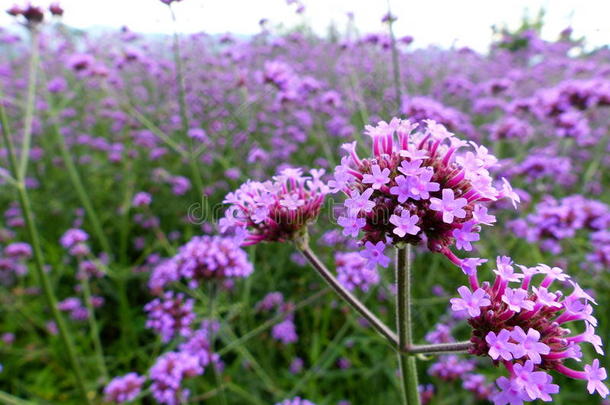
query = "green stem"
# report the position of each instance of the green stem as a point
(196, 173)
(34, 239)
(80, 190)
(93, 328)
(408, 367)
(395, 62)
(29, 106)
(213, 296)
(346, 295)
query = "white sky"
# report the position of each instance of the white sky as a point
(440, 22)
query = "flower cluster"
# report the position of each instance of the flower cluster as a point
(170, 315)
(274, 211)
(168, 373)
(555, 220)
(286, 330)
(521, 324)
(211, 257)
(295, 401)
(353, 272)
(124, 389)
(75, 241)
(202, 258)
(424, 187)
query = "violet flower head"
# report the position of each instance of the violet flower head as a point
(295, 401)
(354, 273)
(277, 210)
(523, 327)
(124, 389)
(285, 331)
(211, 257)
(170, 315)
(419, 185)
(168, 373)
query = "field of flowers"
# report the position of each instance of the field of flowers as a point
(296, 220)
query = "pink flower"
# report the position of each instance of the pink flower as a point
(375, 254)
(378, 178)
(472, 302)
(449, 206)
(405, 223)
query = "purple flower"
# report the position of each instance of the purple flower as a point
(517, 299)
(421, 185)
(402, 189)
(141, 199)
(374, 253)
(378, 177)
(285, 332)
(595, 375)
(469, 265)
(528, 345)
(464, 235)
(170, 315)
(353, 272)
(211, 258)
(124, 389)
(360, 202)
(73, 237)
(351, 225)
(449, 206)
(499, 345)
(295, 401)
(472, 302)
(405, 223)
(168, 373)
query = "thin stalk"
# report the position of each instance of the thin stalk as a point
(93, 327)
(408, 367)
(9, 399)
(34, 239)
(213, 296)
(457, 347)
(196, 173)
(29, 105)
(81, 191)
(347, 296)
(395, 62)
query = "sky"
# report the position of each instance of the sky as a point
(430, 22)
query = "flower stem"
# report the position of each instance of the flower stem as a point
(81, 191)
(408, 368)
(93, 327)
(395, 62)
(34, 239)
(193, 164)
(29, 106)
(347, 296)
(456, 347)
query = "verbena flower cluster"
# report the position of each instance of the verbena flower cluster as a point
(354, 273)
(170, 315)
(277, 210)
(521, 324)
(203, 258)
(419, 186)
(555, 220)
(124, 389)
(295, 401)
